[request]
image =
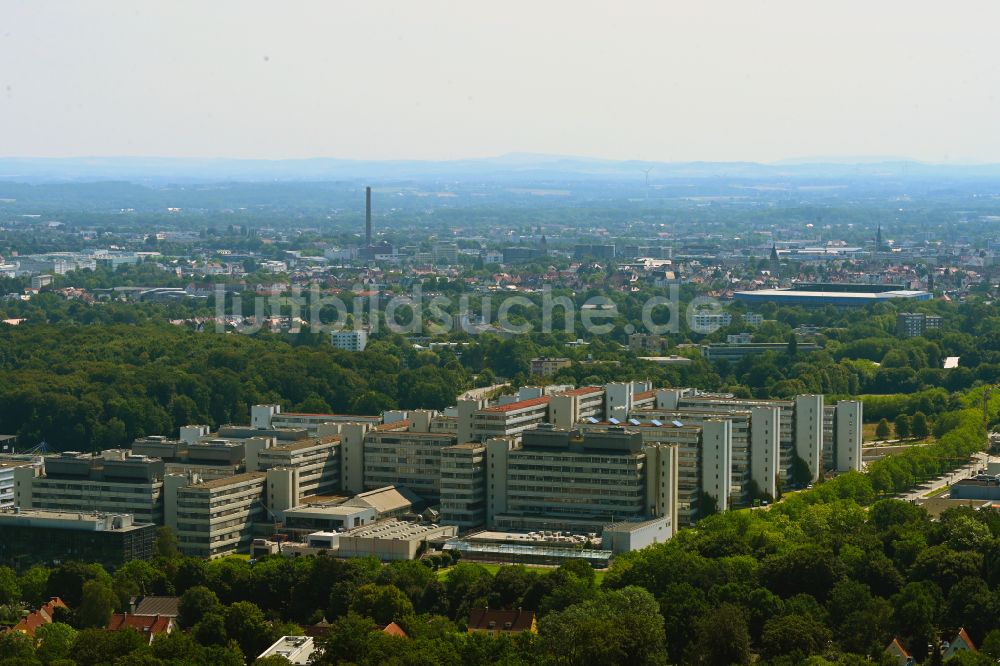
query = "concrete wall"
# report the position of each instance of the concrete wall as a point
(717, 461)
(809, 432)
(847, 435)
(765, 425)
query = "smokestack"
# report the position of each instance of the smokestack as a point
(368, 217)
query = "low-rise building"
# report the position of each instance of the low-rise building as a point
(549, 366)
(30, 537)
(297, 650)
(496, 622)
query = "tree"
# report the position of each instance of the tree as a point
(10, 590)
(66, 581)
(33, 583)
(16, 648)
(195, 604)
(348, 640)
(55, 641)
(97, 603)
(166, 543)
(97, 646)
(211, 629)
(882, 430)
(902, 425)
(619, 627)
(246, 625)
(382, 603)
(721, 638)
(920, 426)
(794, 635)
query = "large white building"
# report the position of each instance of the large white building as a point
(354, 340)
(568, 480)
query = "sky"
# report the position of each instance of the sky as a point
(663, 80)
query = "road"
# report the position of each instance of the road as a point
(947, 479)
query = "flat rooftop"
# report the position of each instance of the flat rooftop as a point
(229, 481)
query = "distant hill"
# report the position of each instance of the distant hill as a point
(512, 167)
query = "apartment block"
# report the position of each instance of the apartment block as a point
(800, 424)
(549, 366)
(316, 460)
(509, 420)
(350, 340)
(568, 407)
(704, 465)
(113, 481)
(754, 434)
(842, 439)
(412, 459)
(215, 518)
(915, 324)
(463, 485)
(266, 417)
(561, 479)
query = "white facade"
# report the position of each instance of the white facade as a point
(350, 340)
(809, 432)
(847, 435)
(765, 451)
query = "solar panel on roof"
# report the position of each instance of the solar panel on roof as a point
(678, 424)
(634, 421)
(656, 423)
(591, 419)
(614, 421)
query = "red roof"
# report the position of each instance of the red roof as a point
(394, 629)
(144, 624)
(521, 404)
(40, 617)
(583, 390)
(644, 395)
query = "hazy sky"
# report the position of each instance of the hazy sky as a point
(658, 80)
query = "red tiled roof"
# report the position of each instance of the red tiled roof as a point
(40, 617)
(644, 395)
(521, 404)
(145, 624)
(394, 629)
(583, 390)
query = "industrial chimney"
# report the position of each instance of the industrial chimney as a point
(368, 217)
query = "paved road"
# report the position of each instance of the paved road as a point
(947, 479)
